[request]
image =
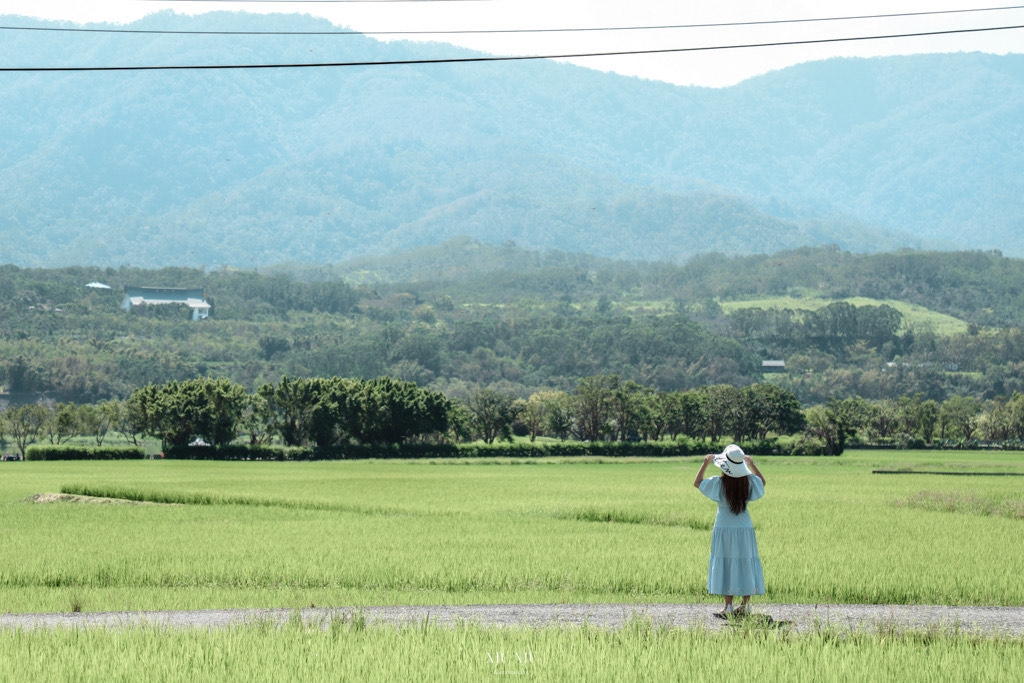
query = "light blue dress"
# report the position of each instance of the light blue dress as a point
(735, 566)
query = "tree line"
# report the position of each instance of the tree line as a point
(830, 328)
(326, 412)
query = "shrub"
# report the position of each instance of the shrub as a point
(356, 451)
(42, 452)
(233, 452)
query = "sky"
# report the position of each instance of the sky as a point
(703, 67)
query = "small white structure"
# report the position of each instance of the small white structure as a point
(773, 366)
(98, 285)
(158, 296)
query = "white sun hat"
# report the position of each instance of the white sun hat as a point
(730, 461)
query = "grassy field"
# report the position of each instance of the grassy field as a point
(463, 532)
(637, 652)
(917, 318)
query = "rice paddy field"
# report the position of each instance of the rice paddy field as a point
(267, 534)
(209, 535)
(637, 652)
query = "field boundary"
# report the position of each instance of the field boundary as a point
(1002, 621)
(952, 474)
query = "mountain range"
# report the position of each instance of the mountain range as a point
(252, 167)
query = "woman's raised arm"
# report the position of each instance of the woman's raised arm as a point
(703, 466)
(753, 468)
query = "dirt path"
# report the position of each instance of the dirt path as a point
(1003, 620)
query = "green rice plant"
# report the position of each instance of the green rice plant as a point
(187, 498)
(291, 534)
(620, 516)
(639, 651)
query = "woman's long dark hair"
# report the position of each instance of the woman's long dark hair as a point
(737, 491)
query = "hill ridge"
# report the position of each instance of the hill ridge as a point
(248, 169)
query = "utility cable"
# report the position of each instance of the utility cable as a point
(307, 2)
(583, 29)
(509, 58)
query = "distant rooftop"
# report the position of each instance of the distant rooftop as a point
(155, 296)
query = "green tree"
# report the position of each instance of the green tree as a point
(328, 418)
(917, 417)
(769, 408)
(927, 418)
(62, 423)
(539, 410)
(225, 402)
(691, 413)
(720, 406)
(560, 415)
(256, 420)
(994, 421)
(884, 420)
(630, 410)
(390, 411)
(178, 412)
(1015, 416)
(958, 417)
(663, 411)
(96, 420)
(834, 323)
(592, 407)
(460, 422)
(133, 420)
(878, 324)
(24, 423)
(287, 406)
(835, 422)
(493, 413)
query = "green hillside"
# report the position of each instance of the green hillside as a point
(985, 289)
(916, 318)
(519, 321)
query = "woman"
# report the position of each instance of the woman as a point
(735, 567)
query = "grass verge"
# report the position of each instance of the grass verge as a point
(641, 651)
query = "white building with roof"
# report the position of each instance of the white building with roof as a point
(158, 296)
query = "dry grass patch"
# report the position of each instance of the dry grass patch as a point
(94, 500)
(967, 503)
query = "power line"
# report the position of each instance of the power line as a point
(510, 58)
(306, 2)
(657, 27)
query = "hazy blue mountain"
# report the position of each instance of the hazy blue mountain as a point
(251, 167)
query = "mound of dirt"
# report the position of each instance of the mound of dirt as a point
(71, 498)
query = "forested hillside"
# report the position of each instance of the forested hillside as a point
(515, 321)
(251, 168)
(982, 287)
